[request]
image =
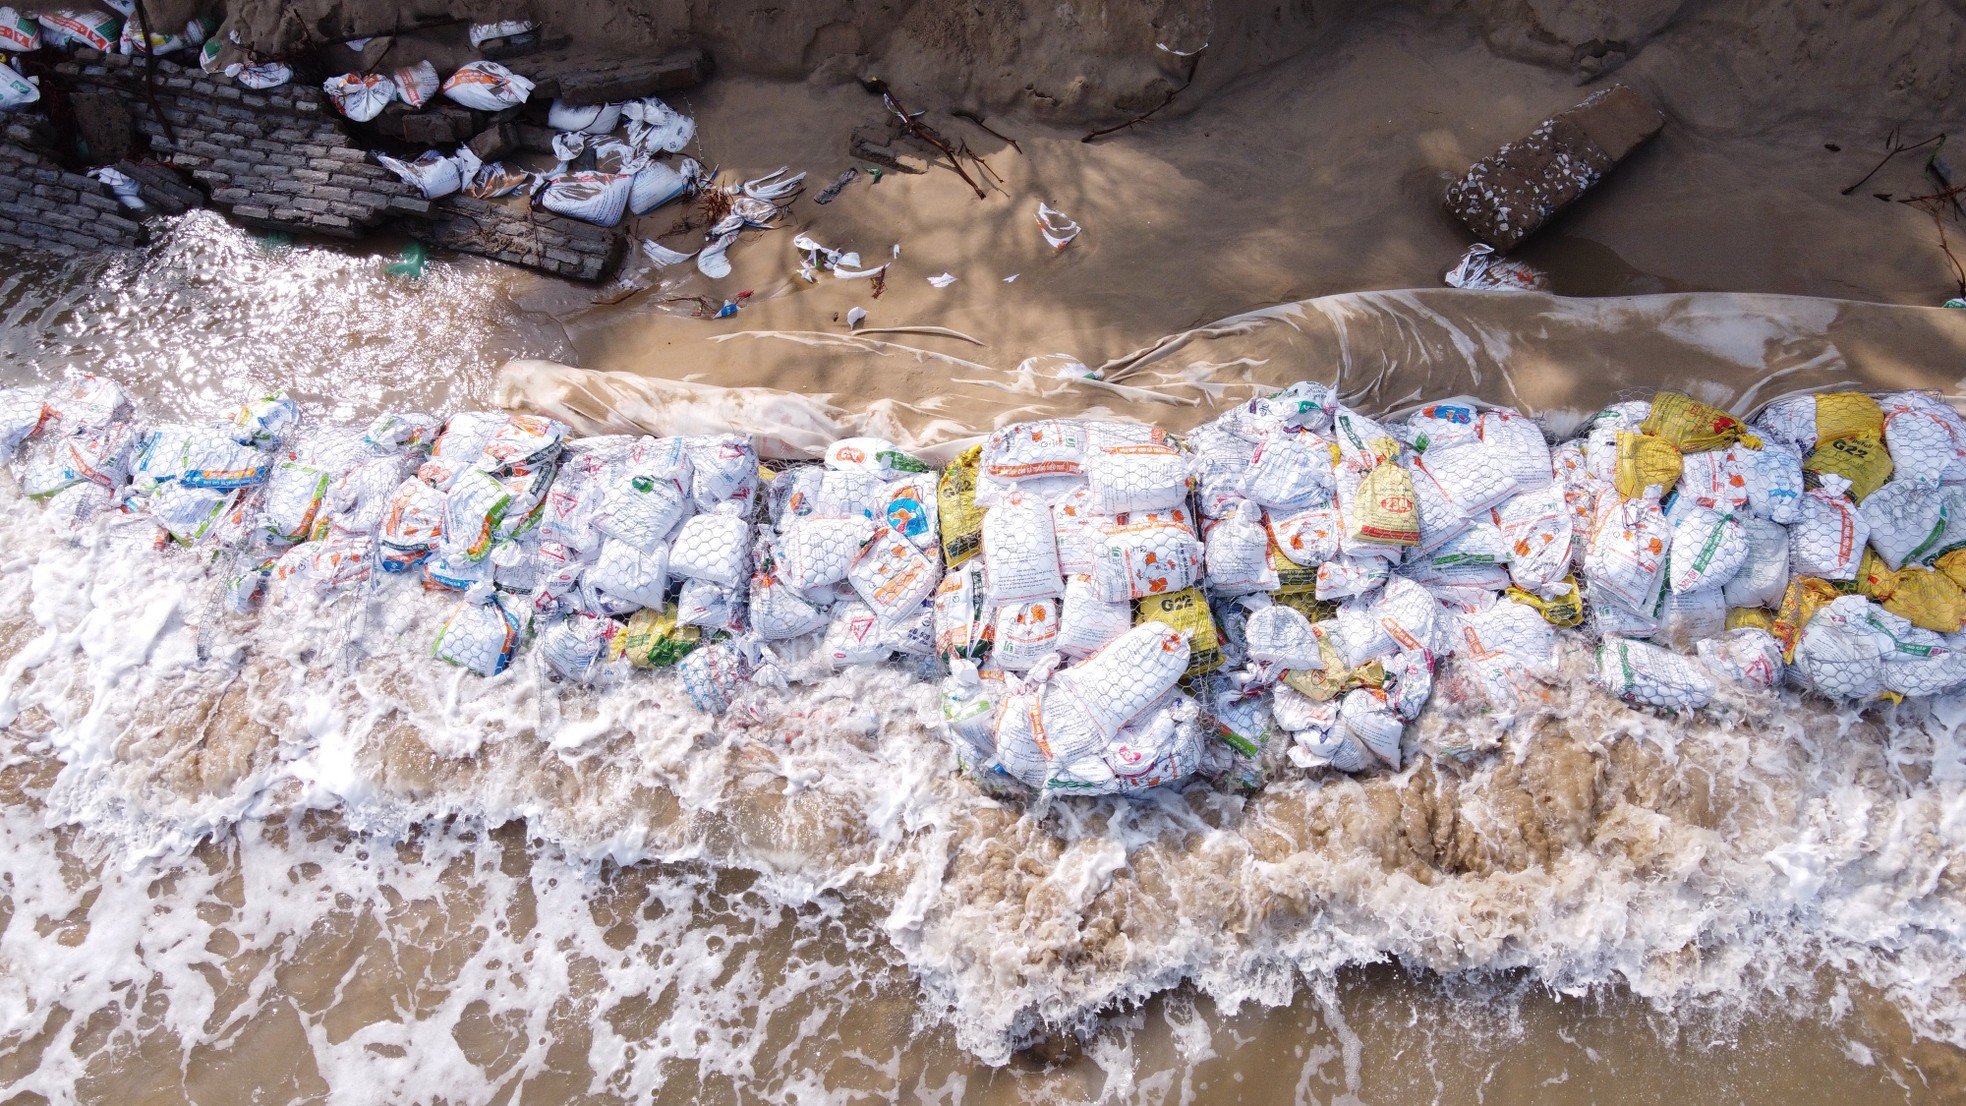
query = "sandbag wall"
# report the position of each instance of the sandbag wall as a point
(1106, 607)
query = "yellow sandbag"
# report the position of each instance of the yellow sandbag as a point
(1292, 578)
(1563, 611)
(955, 505)
(1928, 599)
(1953, 565)
(1334, 679)
(1306, 603)
(653, 640)
(1695, 427)
(1757, 617)
(1805, 596)
(1862, 460)
(1644, 462)
(1187, 612)
(1384, 512)
(1847, 415)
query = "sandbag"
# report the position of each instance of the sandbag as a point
(1087, 623)
(1366, 716)
(585, 118)
(892, 576)
(1626, 556)
(656, 184)
(1764, 572)
(853, 636)
(1692, 426)
(722, 468)
(1538, 528)
(1308, 537)
(779, 611)
(1141, 555)
(715, 548)
(1290, 472)
(1236, 553)
(573, 647)
(629, 574)
(816, 552)
(1281, 636)
(591, 197)
(1827, 540)
(487, 86)
(1187, 613)
(1749, 656)
(1383, 511)
(360, 96)
(18, 33)
(1708, 548)
(95, 30)
(1840, 653)
(1649, 676)
(1907, 521)
(1862, 461)
(1020, 552)
(414, 85)
(640, 509)
(1646, 467)
(1025, 634)
(1116, 684)
(1125, 476)
(958, 516)
(478, 636)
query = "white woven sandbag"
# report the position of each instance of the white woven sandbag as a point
(1502, 644)
(1719, 479)
(1649, 676)
(1075, 527)
(1026, 633)
(1290, 472)
(722, 467)
(1410, 616)
(912, 634)
(479, 636)
(1791, 420)
(892, 576)
(86, 402)
(1340, 752)
(712, 676)
(1124, 476)
(962, 631)
(630, 574)
(1626, 557)
(1143, 555)
(1018, 730)
(1020, 552)
(970, 707)
(571, 506)
(850, 494)
(1515, 445)
(709, 606)
(1842, 649)
(1775, 482)
(1827, 540)
(1764, 573)
(266, 420)
(853, 636)
(188, 514)
(817, 551)
(22, 412)
(294, 497)
(1158, 749)
(1236, 553)
(524, 441)
(794, 494)
(450, 569)
(1708, 548)
(1920, 662)
(590, 196)
(1538, 530)
(416, 85)
(1610, 617)
(1480, 544)
(487, 86)
(1441, 424)
(1907, 520)
(715, 548)
(656, 184)
(1308, 537)
(1136, 670)
(586, 118)
(1923, 442)
(1303, 405)
(1367, 717)
(473, 508)
(1087, 623)
(640, 509)
(1221, 464)
(1029, 450)
(1686, 618)
(159, 458)
(779, 612)
(908, 507)
(573, 647)
(1357, 636)
(212, 459)
(414, 519)
(1345, 577)
(1282, 636)
(1749, 656)
(359, 498)
(432, 173)
(1296, 713)
(360, 96)
(1363, 444)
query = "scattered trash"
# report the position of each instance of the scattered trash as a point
(410, 263)
(662, 256)
(855, 316)
(772, 188)
(483, 33)
(827, 195)
(1481, 267)
(1012, 278)
(119, 184)
(1058, 229)
(943, 280)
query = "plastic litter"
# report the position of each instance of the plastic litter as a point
(1482, 268)
(1058, 229)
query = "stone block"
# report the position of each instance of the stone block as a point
(1511, 193)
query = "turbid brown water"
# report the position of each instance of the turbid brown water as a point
(289, 861)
